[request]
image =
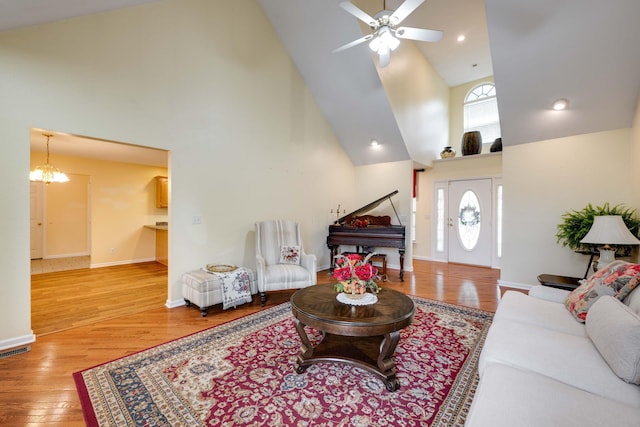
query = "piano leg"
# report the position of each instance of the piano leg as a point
(401, 264)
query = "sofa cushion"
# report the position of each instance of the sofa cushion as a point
(548, 293)
(617, 279)
(508, 396)
(570, 359)
(289, 254)
(633, 300)
(517, 306)
(615, 331)
(292, 276)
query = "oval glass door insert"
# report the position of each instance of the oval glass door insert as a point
(469, 220)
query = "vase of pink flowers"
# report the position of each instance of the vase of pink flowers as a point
(355, 275)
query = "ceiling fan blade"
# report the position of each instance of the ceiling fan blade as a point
(419, 34)
(358, 13)
(405, 10)
(385, 58)
(354, 43)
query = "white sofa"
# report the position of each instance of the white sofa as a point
(541, 367)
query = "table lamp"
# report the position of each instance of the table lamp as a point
(609, 230)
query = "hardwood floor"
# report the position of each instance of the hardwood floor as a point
(68, 299)
(36, 388)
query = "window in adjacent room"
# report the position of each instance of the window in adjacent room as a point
(481, 112)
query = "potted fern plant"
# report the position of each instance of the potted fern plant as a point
(576, 224)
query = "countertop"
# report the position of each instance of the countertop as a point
(157, 227)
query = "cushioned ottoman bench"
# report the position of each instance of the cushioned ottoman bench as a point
(205, 289)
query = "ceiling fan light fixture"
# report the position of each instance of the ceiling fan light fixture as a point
(560, 104)
(384, 41)
(374, 44)
(386, 31)
(391, 41)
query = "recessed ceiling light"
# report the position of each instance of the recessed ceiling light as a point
(375, 144)
(461, 38)
(560, 104)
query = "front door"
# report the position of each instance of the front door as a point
(470, 222)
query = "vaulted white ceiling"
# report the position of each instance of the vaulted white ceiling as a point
(587, 51)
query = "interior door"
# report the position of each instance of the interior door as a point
(36, 219)
(470, 222)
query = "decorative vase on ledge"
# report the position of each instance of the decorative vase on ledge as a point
(447, 152)
(496, 146)
(471, 143)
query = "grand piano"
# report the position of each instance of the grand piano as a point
(380, 233)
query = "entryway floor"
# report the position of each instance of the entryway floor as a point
(49, 265)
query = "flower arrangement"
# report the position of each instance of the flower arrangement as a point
(360, 222)
(355, 274)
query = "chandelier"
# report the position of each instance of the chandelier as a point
(47, 173)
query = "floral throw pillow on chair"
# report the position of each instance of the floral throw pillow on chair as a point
(289, 254)
(617, 279)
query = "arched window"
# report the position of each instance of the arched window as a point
(481, 112)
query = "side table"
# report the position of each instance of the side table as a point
(560, 282)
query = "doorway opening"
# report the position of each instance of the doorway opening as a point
(96, 219)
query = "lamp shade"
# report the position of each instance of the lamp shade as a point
(609, 230)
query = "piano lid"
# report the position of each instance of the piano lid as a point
(369, 207)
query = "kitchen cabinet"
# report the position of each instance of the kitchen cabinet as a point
(162, 192)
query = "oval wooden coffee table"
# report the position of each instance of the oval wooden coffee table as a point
(365, 336)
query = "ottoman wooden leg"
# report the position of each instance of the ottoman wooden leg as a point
(263, 298)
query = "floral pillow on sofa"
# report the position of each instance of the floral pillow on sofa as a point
(617, 279)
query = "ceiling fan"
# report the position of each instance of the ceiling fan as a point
(386, 31)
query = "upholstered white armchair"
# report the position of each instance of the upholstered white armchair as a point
(281, 262)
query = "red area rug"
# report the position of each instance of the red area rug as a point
(243, 373)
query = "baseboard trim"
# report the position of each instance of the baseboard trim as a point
(427, 258)
(123, 262)
(17, 342)
(175, 303)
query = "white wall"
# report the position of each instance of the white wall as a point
(419, 99)
(545, 179)
(246, 139)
